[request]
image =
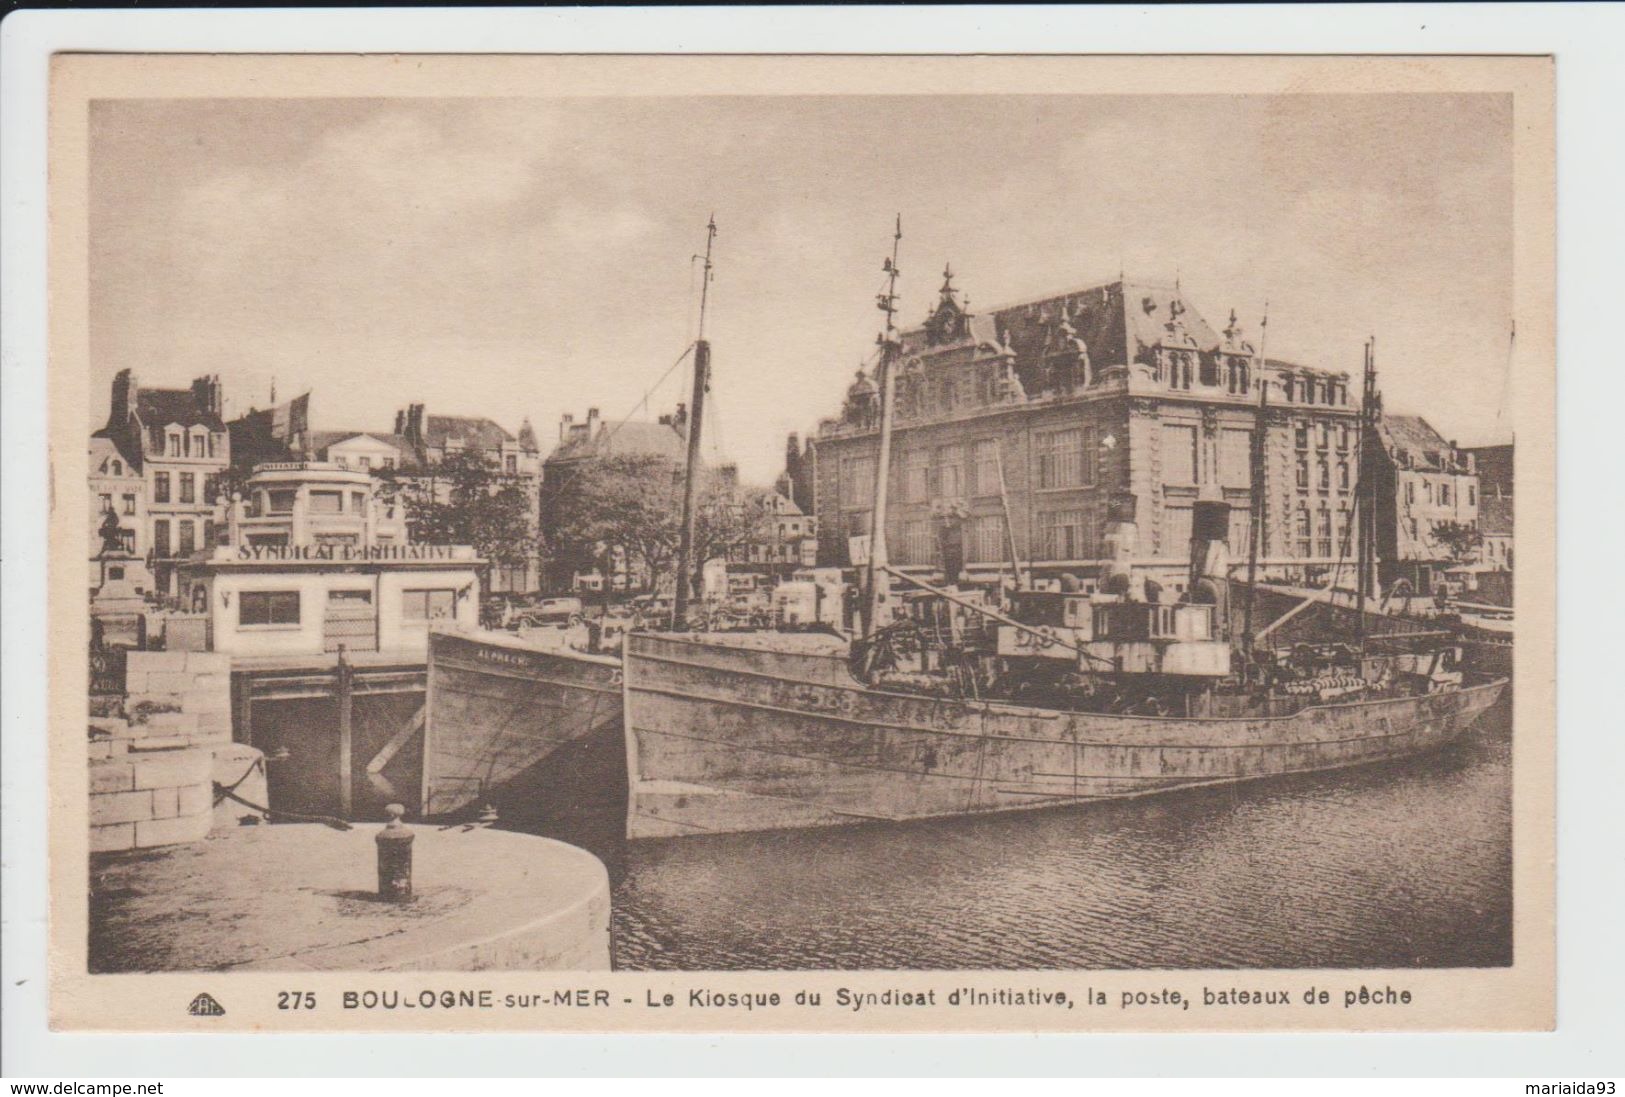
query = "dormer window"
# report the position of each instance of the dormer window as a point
(174, 442)
(118, 467)
(200, 443)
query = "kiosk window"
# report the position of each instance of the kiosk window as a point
(268, 607)
(427, 605)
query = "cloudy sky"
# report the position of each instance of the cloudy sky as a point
(515, 258)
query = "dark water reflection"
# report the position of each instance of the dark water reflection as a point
(1405, 864)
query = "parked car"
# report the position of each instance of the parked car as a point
(548, 611)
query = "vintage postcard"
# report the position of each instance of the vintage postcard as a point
(787, 543)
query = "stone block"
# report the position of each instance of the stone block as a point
(111, 776)
(110, 727)
(135, 681)
(193, 800)
(166, 803)
(214, 726)
(120, 807)
(183, 724)
(197, 702)
(149, 662)
(168, 832)
(113, 837)
(171, 769)
(209, 662)
(168, 681)
(99, 749)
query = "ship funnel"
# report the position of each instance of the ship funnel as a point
(1210, 558)
(1121, 539)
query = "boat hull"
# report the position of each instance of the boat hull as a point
(725, 738)
(499, 707)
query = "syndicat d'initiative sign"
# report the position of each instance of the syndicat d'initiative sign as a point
(291, 554)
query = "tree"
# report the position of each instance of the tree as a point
(1460, 539)
(634, 504)
(466, 499)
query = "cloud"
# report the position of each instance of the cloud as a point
(584, 224)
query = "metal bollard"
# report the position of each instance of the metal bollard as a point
(395, 858)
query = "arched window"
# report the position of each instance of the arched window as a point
(118, 467)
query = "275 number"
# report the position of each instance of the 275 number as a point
(296, 999)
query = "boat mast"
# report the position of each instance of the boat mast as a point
(1009, 526)
(876, 601)
(1256, 533)
(1364, 514)
(696, 409)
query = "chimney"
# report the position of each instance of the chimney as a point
(592, 420)
(400, 421)
(124, 397)
(414, 425)
(1210, 560)
(206, 394)
(1121, 539)
(565, 423)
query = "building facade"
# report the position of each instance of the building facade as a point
(427, 441)
(1023, 423)
(1494, 465)
(1426, 486)
(405, 461)
(118, 514)
(780, 540)
(179, 446)
(314, 560)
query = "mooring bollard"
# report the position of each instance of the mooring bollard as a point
(395, 858)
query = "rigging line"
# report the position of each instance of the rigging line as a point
(642, 403)
(715, 434)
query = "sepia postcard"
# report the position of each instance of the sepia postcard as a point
(853, 544)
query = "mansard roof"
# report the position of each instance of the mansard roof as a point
(1117, 321)
(1425, 447)
(627, 439)
(475, 432)
(162, 407)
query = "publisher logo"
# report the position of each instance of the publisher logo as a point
(204, 1005)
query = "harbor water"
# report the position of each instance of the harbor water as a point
(1405, 864)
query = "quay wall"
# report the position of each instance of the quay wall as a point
(186, 692)
(146, 790)
(154, 768)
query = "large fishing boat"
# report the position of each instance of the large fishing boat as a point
(947, 705)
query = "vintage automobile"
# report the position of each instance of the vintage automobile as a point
(548, 611)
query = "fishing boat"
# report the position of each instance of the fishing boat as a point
(499, 706)
(1060, 698)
